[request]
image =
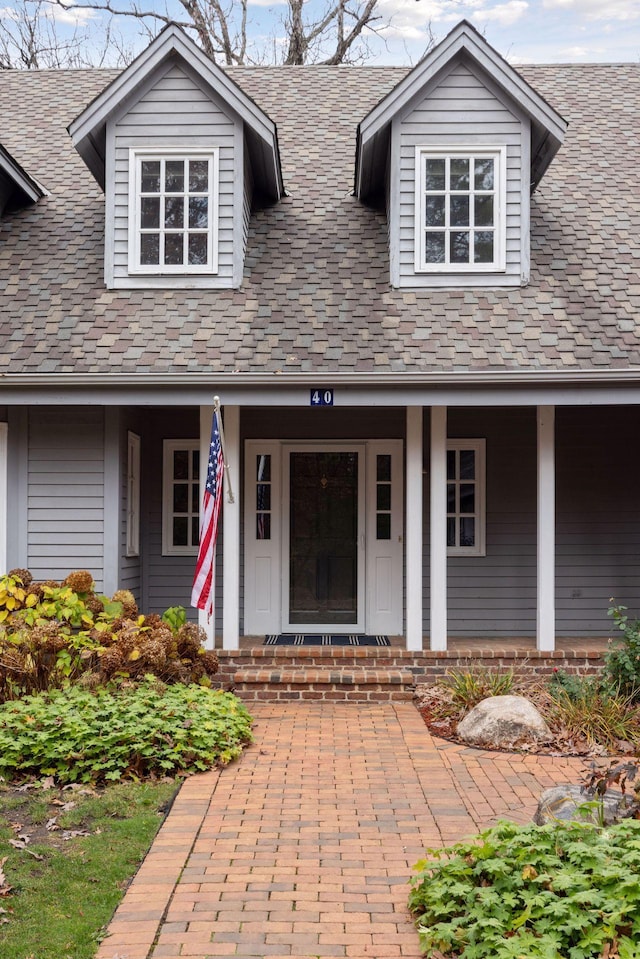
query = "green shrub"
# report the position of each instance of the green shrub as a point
(562, 891)
(469, 687)
(82, 735)
(622, 659)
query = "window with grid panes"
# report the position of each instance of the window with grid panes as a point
(181, 497)
(460, 210)
(173, 213)
(466, 497)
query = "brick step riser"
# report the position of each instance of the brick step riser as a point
(422, 670)
(325, 692)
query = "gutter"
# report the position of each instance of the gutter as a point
(434, 379)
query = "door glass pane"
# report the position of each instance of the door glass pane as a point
(383, 526)
(181, 464)
(323, 585)
(383, 468)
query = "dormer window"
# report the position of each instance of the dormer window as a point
(460, 209)
(173, 212)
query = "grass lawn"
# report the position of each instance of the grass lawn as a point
(78, 848)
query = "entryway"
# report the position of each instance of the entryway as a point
(324, 540)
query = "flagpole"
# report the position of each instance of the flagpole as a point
(216, 406)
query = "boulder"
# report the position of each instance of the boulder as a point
(502, 722)
(573, 803)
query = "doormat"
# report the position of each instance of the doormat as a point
(325, 639)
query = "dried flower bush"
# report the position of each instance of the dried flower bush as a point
(52, 633)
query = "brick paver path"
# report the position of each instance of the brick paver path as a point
(303, 848)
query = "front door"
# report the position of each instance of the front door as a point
(324, 538)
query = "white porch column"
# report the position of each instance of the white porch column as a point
(206, 416)
(231, 539)
(438, 526)
(413, 539)
(546, 613)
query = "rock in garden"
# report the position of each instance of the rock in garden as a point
(503, 721)
(573, 803)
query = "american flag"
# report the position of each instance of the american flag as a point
(202, 592)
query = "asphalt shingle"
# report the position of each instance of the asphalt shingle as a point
(316, 294)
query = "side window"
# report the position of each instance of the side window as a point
(181, 497)
(133, 494)
(460, 210)
(173, 212)
(466, 497)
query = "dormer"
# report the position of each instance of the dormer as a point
(180, 152)
(455, 150)
(17, 188)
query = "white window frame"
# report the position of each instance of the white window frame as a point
(480, 514)
(169, 447)
(133, 494)
(136, 158)
(474, 151)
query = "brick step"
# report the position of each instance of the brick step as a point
(329, 683)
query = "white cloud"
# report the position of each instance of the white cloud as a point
(597, 9)
(266, 3)
(73, 16)
(410, 20)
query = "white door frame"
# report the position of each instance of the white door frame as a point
(360, 448)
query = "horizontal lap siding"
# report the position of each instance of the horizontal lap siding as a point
(65, 500)
(460, 110)
(175, 113)
(495, 595)
(598, 517)
(130, 575)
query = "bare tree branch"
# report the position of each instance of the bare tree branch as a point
(222, 28)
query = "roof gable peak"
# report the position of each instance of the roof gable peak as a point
(88, 129)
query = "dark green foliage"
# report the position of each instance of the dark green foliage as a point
(622, 660)
(562, 891)
(82, 735)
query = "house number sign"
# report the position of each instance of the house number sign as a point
(321, 398)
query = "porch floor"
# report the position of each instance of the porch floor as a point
(478, 646)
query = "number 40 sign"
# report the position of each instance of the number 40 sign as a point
(321, 398)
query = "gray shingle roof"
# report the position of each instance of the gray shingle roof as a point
(316, 294)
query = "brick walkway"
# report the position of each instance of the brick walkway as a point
(303, 848)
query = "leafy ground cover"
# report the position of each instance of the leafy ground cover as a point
(66, 856)
(126, 731)
(561, 891)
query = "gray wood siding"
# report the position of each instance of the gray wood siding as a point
(130, 567)
(597, 524)
(598, 517)
(65, 500)
(167, 580)
(495, 595)
(247, 196)
(462, 109)
(174, 113)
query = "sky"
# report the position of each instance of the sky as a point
(528, 31)
(523, 31)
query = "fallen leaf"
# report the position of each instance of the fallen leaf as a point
(35, 855)
(48, 783)
(52, 824)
